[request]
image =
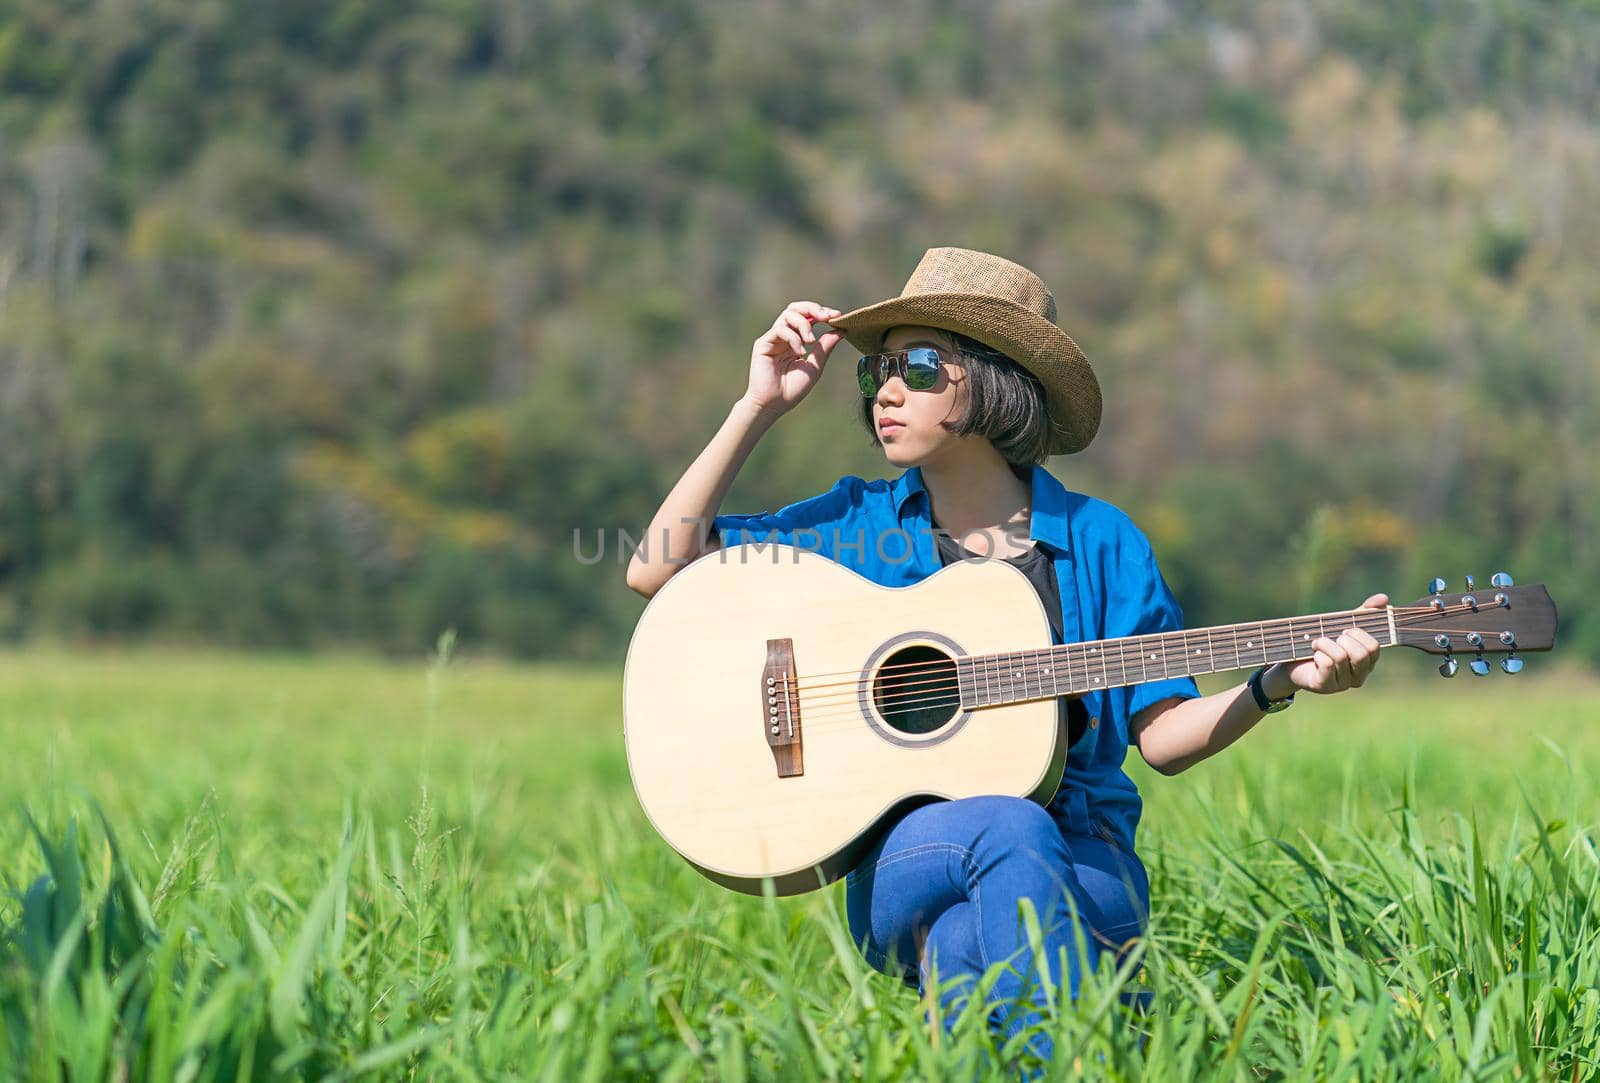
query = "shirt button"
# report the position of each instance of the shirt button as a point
(1094, 722)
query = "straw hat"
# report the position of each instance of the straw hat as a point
(1004, 306)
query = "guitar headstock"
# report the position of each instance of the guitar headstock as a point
(1502, 619)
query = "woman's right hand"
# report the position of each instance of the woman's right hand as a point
(787, 361)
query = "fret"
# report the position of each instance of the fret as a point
(1296, 640)
(1284, 650)
(1041, 673)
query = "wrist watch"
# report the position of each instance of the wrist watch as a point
(1268, 706)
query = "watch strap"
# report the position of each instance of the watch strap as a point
(1268, 706)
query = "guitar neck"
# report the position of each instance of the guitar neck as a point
(992, 680)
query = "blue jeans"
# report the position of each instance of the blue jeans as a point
(948, 876)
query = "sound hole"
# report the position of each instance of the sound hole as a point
(915, 689)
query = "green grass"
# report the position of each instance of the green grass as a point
(343, 868)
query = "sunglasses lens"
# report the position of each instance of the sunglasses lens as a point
(922, 368)
(918, 366)
(867, 377)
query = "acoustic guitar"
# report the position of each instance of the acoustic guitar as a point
(779, 707)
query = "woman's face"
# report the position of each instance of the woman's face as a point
(918, 436)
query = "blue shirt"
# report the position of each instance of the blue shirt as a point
(1108, 580)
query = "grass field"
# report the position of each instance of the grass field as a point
(345, 868)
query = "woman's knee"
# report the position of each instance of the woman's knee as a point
(1015, 823)
(1016, 816)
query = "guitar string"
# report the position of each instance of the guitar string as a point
(947, 690)
(1071, 653)
(943, 681)
(1365, 614)
(946, 693)
(1119, 657)
(1107, 664)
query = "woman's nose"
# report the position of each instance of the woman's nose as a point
(892, 391)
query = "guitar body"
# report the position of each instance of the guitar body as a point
(859, 740)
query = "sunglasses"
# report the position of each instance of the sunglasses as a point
(918, 367)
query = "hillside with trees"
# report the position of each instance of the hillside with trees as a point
(332, 322)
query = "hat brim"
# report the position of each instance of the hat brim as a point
(1072, 392)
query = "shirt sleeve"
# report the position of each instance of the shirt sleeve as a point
(811, 524)
(1152, 608)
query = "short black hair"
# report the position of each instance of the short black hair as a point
(1006, 404)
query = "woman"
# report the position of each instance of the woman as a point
(968, 385)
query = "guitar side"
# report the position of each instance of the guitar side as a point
(695, 721)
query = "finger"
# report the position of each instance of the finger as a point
(1377, 601)
(1370, 648)
(829, 340)
(815, 312)
(1363, 669)
(1356, 653)
(1340, 658)
(800, 324)
(1364, 637)
(1325, 673)
(784, 333)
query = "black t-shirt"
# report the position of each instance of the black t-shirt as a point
(1041, 572)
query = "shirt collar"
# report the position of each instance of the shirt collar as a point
(1049, 518)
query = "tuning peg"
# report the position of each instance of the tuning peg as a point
(1436, 585)
(1511, 664)
(1501, 579)
(1448, 667)
(1480, 666)
(1469, 582)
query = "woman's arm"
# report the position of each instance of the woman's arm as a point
(1175, 734)
(785, 364)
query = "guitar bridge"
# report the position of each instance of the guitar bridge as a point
(780, 709)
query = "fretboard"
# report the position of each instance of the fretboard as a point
(991, 680)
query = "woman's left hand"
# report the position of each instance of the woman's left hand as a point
(1339, 664)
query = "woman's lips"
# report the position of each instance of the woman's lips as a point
(886, 426)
